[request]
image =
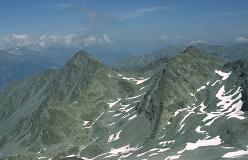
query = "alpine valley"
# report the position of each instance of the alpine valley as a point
(189, 106)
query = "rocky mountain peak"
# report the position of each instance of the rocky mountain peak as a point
(191, 50)
(81, 58)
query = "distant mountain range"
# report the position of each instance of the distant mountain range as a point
(22, 62)
(226, 53)
(19, 63)
(15, 66)
(139, 61)
(190, 106)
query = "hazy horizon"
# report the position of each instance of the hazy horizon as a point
(134, 26)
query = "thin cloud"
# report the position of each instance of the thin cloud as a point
(95, 19)
(141, 12)
(91, 40)
(52, 40)
(241, 40)
(16, 40)
(58, 40)
(106, 38)
(196, 42)
(98, 19)
(58, 6)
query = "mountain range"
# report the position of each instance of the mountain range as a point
(189, 105)
(15, 66)
(226, 53)
(22, 62)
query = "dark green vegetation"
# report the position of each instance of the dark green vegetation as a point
(184, 107)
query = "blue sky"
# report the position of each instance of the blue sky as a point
(130, 23)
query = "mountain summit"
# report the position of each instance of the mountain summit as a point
(82, 58)
(191, 49)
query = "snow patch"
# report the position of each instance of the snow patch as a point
(86, 124)
(235, 154)
(217, 81)
(136, 96)
(201, 88)
(198, 130)
(126, 78)
(202, 143)
(227, 147)
(157, 150)
(202, 108)
(113, 103)
(164, 143)
(114, 137)
(181, 127)
(70, 156)
(142, 81)
(133, 117)
(142, 88)
(228, 105)
(41, 151)
(116, 115)
(111, 124)
(122, 150)
(187, 115)
(179, 111)
(223, 74)
(137, 81)
(173, 157)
